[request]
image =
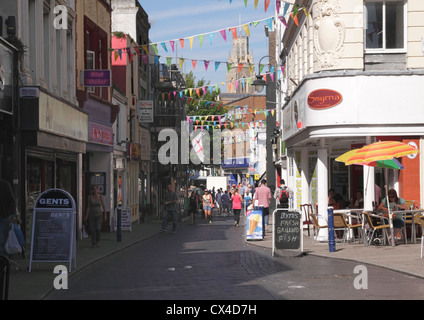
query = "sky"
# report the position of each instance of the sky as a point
(175, 19)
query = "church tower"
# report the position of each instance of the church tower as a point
(240, 55)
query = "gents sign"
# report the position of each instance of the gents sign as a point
(53, 230)
(324, 99)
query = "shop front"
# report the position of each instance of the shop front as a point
(7, 103)
(99, 161)
(53, 140)
(333, 113)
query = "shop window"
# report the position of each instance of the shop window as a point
(385, 28)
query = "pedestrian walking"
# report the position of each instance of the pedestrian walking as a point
(225, 200)
(263, 195)
(170, 202)
(193, 205)
(7, 212)
(96, 209)
(283, 194)
(218, 201)
(236, 207)
(207, 206)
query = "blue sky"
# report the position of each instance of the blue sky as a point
(175, 19)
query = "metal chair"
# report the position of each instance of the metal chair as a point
(4, 277)
(383, 227)
(341, 223)
(412, 220)
(315, 221)
(307, 210)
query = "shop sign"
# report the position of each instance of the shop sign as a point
(145, 111)
(134, 151)
(97, 78)
(53, 229)
(323, 99)
(101, 134)
(7, 86)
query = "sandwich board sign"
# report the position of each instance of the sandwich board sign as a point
(54, 228)
(287, 232)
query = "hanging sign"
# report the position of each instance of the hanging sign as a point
(97, 78)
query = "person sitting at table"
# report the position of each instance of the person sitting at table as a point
(395, 204)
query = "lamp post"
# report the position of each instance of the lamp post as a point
(259, 82)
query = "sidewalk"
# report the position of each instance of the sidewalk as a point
(403, 257)
(24, 285)
(36, 284)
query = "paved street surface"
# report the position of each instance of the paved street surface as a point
(213, 262)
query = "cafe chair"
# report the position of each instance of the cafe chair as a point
(315, 222)
(307, 210)
(412, 220)
(371, 228)
(341, 222)
(340, 225)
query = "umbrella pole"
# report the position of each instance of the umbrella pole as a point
(388, 208)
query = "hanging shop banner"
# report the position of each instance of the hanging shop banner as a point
(53, 231)
(97, 78)
(145, 111)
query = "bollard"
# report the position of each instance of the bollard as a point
(331, 239)
(118, 225)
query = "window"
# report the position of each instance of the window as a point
(385, 25)
(90, 65)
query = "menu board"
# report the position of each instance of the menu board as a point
(287, 229)
(53, 231)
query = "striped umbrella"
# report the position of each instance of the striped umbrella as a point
(389, 164)
(383, 151)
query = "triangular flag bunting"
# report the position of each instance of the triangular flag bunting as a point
(193, 62)
(246, 29)
(234, 31)
(267, 4)
(191, 42)
(182, 43)
(224, 34)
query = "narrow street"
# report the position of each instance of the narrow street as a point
(213, 262)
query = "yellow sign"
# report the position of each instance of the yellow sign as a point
(247, 175)
(256, 176)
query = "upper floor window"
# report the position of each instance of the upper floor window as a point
(385, 25)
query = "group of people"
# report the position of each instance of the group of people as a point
(235, 197)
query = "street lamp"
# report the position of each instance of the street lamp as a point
(260, 83)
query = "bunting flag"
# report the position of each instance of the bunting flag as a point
(206, 65)
(269, 21)
(267, 4)
(224, 34)
(194, 63)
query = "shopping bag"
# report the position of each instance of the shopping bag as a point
(19, 235)
(12, 245)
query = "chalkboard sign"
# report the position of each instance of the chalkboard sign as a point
(53, 230)
(287, 229)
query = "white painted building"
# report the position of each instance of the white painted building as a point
(355, 75)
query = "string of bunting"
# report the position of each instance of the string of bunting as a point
(172, 43)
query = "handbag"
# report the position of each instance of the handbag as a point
(12, 245)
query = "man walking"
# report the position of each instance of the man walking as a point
(170, 202)
(263, 195)
(283, 194)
